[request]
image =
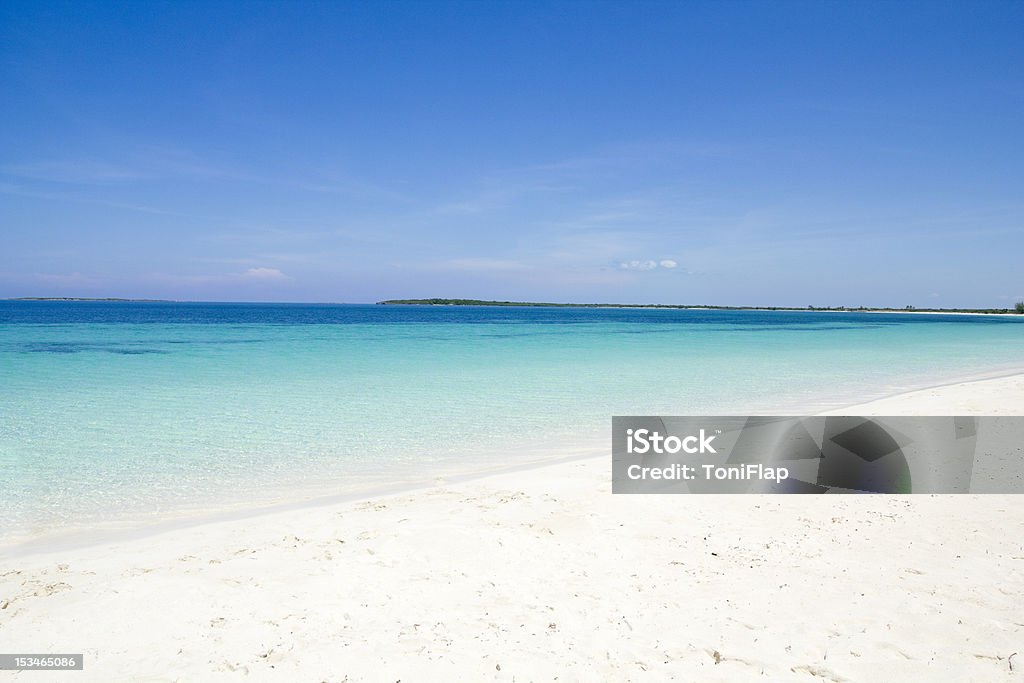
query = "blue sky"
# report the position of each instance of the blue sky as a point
(727, 153)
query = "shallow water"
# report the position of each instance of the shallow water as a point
(124, 411)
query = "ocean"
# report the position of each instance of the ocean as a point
(115, 414)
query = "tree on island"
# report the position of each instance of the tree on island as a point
(1019, 307)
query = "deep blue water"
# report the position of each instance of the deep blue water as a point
(59, 312)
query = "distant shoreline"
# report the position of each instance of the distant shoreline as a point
(539, 304)
(81, 298)
(833, 309)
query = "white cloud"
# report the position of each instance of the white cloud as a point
(264, 274)
(648, 264)
(638, 265)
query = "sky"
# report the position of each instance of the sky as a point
(729, 153)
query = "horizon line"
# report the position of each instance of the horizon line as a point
(451, 302)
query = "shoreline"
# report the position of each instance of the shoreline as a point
(526, 304)
(89, 537)
(541, 573)
(957, 397)
(987, 387)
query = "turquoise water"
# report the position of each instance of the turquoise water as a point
(120, 412)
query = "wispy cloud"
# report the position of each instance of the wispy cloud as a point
(65, 279)
(244, 234)
(649, 264)
(624, 164)
(264, 274)
(132, 160)
(78, 197)
(71, 171)
(482, 265)
(252, 276)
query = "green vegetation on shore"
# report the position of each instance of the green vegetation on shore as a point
(480, 302)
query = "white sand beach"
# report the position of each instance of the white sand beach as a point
(995, 396)
(542, 575)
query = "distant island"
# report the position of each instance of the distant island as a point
(865, 309)
(78, 298)
(1018, 308)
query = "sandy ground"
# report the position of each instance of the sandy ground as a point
(543, 575)
(997, 396)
